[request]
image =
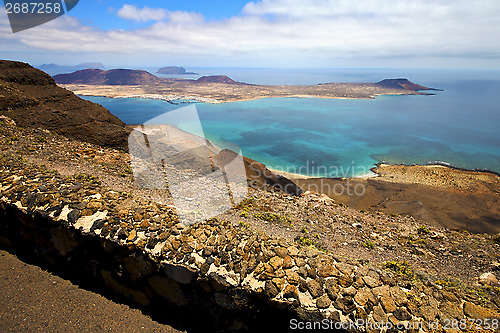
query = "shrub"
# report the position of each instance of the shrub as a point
(368, 245)
(496, 238)
(423, 230)
(400, 267)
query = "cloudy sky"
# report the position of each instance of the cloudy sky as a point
(265, 33)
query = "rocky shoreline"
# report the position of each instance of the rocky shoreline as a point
(306, 257)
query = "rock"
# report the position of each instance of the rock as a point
(450, 310)
(287, 262)
(402, 314)
(276, 262)
(474, 311)
(345, 268)
(280, 251)
(292, 277)
(291, 292)
(449, 296)
(399, 296)
(345, 281)
(224, 301)
(371, 282)
(293, 251)
(94, 205)
(63, 239)
(325, 270)
(351, 291)
(379, 315)
(388, 304)
(345, 304)
(132, 236)
(138, 267)
(323, 302)
(7, 121)
(427, 312)
(314, 288)
(488, 279)
(363, 296)
(270, 289)
(332, 289)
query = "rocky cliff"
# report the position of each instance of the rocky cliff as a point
(32, 99)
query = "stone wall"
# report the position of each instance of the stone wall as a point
(213, 275)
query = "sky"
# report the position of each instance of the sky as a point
(458, 34)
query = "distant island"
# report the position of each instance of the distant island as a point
(174, 70)
(220, 88)
(54, 69)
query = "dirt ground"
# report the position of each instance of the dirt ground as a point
(34, 300)
(446, 197)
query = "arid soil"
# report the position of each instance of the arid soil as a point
(441, 196)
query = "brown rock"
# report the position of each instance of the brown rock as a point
(332, 288)
(132, 236)
(450, 310)
(168, 289)
(279, 282)
(325, 270)
(291, 292)
(287, 262)
(371, 282)
(379, 315)
(281, 251)
(488, 279)
(270, 289)
(323, 302)
(346, 304)
(363, 296)
(276, 262)
(123, 290)
(314, 288)
(292, 277)
(399, 296)
(474, 311)
(402, 314)
(345, 281)
(388, 304)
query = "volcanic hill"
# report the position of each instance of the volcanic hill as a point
(110, 77)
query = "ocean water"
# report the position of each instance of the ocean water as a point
(345, 138)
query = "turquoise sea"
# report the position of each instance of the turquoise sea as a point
(340, 138)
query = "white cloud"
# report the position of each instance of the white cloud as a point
(277, 32)
(131, 12)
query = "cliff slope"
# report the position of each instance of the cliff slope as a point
(32, 99)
